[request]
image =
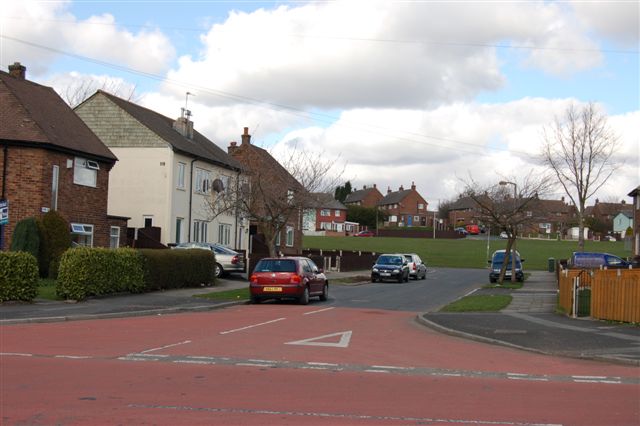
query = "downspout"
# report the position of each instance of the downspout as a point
(238, 242)
(190, 198)
(4, 187)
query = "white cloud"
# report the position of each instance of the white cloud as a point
(617, 20)
(74, 87)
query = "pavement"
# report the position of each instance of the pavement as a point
(529, 323)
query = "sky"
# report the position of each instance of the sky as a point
(434, 93)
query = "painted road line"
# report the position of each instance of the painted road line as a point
(166, 346)
(149, 355)
(252, 326)
(317, 312)
(253, 364)
(193, 361)
(14, 354)
(73, 356)
(391, 367)
(377, 371)
(322, 364)
(345, 338)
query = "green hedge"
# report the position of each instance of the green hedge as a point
(96, 271)
(18, 276)
(165, 269)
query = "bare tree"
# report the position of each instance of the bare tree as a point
(509, 206)
(82, 89)
(579, 149)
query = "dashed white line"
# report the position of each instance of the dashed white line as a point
(323, 364)
(73, 356)
(377, 371)
(14, 354)
(317, 312)
(252, 364)
(390, 367)
(252, 326)
(166, 346)
(193, 361)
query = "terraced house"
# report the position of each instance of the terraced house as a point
(168, 173)
(50, 160)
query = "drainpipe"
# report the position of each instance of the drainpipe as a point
(4, 187)
(238, 242)
(190, 198)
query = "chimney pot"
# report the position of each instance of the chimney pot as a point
(388, 190)
(374, 186)
(18, 71)
(364, 186)
(413, 186)
(246, 137)
(401, 188)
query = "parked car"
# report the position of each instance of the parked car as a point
(288, 278)
(461, 230)
(597, 260)
(365, 233)
(609, 238)
(390, 267)
(417, 268)
(473, 229)
(496, 265)
(227, 260)
(504, 235)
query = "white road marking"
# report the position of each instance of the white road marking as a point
(73, 356)
(251, 326)
(14, 354)
(317, 312)
(390, 367)
(165, 347)
(323, 364)
(192, 361)
(376, 371)
(252, 364)
(345, 338)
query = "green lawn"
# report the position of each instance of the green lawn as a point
(47, 289)
(480, 303)
(238, 294)
(465, 252)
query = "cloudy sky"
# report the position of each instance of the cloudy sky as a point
(394, 92)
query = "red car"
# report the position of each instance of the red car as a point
(287, 278)
(365, 234)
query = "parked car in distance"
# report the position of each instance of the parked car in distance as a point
(461, 230)
(597, 260)
(287, 278)
(609, 238)
(496, 265)
(504, 235)
(473, 229)
(390, 267)
(417, 268)
(227, 260)
(365, 233)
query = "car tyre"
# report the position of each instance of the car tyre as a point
(325, 293)
(255, 300)
(219, 270)
(400, 278)
(304, 298)
(406, 279)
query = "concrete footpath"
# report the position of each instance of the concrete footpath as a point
(528, 323)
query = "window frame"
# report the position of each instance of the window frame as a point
(289, 233)
(83, 230)
(182, 167)
(114, 237)
(84, 174)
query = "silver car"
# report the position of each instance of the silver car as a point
(417, 268)
(227, 260)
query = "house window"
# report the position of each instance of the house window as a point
(529, 214)
(289, 196)
(325, 212)
(416, 218)
(420, 206)
(224, 234)
(148, 221)
(55, 176)
(289, 236)
(200, 228)
(337, 213)
(114, 237)
(82, 234)
(181, 169)
(393, 218)
(179, 222)
(85, 172)
(203, 181)
(277, 240)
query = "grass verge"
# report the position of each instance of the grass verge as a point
(47, 289)
(238, 294)
(481, 303)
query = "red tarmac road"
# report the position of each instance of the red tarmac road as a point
(290, 364)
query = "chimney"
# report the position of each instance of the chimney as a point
(388, 190)
(413, 186)
(401, 188)
(246, 137)
(183, 125)
(233, 146)
(374, 186)
(364, 186)
(17, 71)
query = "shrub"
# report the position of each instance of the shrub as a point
(166, 269)
(96, 271)
(18, 276)
(56, 239)
(26, 237)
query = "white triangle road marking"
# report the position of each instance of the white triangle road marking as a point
(345, 338)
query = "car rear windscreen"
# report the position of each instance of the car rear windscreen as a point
(276, 265)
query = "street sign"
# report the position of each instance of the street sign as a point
(4, 212)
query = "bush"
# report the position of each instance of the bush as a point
(165, 269)
(26, 237)
(96, 271)
(56, 239)
(18, 276)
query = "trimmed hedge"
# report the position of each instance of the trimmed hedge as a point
(26, 236)
(18, 276)
(165, 269)
(56, 239)
(96, 271)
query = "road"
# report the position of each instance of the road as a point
(286, 364)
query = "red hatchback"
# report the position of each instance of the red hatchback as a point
(287, 278)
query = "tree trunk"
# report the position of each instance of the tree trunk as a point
(580, 232)
(505, 261)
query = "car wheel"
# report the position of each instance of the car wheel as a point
(492, 280)
(219, 270)
(255, 300)
(424, 275)
(304, 299)
(400, 278)
(406, 279)
(325, 293)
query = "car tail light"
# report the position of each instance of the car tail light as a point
(414, 266)
(253, 279)
(234, 260)
(296, 279)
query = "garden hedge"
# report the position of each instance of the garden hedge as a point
(18, 276)
(165, 269)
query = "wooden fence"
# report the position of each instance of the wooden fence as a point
(615, 293)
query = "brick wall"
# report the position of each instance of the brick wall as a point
(28, 191)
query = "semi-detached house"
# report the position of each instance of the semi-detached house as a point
(167, 173)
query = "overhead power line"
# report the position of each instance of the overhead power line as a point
(471, 148)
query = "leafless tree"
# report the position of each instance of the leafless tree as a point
(579, 149)
(510, 205)
(81, 89)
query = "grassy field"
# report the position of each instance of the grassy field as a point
(465, 252)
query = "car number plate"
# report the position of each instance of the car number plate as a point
(385, 274)
(272, 289)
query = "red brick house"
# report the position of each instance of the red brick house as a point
(603, 213)
(365, 197)
(50, 160)
(328, 217)
(404, 207)
(274, 197)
